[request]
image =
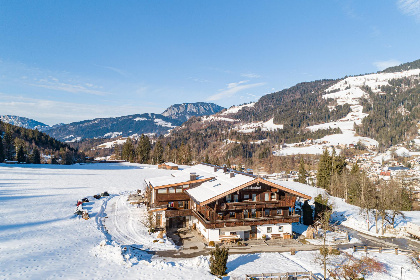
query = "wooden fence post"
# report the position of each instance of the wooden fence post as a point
(396, 251)
(365, 249)
(380, 249)
(354, 248)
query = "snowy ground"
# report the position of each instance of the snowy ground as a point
(41, 238)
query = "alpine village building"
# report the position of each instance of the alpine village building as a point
(222, 203)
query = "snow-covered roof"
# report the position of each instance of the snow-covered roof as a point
(202, 171)
(299, 187)
(220, 184)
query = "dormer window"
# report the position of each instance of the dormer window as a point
(228, 198)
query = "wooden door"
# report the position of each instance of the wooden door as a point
(253, 233)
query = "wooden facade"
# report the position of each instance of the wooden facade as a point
(255, 203)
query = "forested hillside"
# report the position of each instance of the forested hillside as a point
(29, 145)
(296, 107)
(393, 115)
(403, 67)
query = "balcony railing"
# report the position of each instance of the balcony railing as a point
(256, 205)
(170, 213)
(245, 222)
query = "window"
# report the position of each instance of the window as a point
(180, 204)
(267, 212)
(246, 196)
(273, 196)
(280, 228)
(279, 212)
(171, 190)
(267, 197)
(246, 214)
(236, 198)
(162, 190)
(233, 233)
(232, 214)
(253, 213)
(186, 205)
(220, 216)
(178, 189)
(185, 186)
(254, 197)
(228, 198)
(269, 229)
(170, 204)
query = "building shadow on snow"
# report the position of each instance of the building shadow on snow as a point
(242, 260)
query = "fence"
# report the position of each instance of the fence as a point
(395, 250)
(284, 276)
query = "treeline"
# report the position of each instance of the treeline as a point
(297, 107)
(393, 116)
(26, 146)
(383, 200)
(141, 151)
(403, 67)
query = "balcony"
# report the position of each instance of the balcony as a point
(246, 221)
(256, 205)
(170, 213)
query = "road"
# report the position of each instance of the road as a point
(368, 240)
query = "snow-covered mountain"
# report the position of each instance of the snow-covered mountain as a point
(378, 109)
(132, 125)
(23, 122)
(185, 111)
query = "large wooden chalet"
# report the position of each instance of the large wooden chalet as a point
(221, 202)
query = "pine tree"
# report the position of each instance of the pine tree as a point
(1, 150)
(20, 155)
(324, 170)
(143, 149)
(8, 143)
(127, 152)
(302, 172)
(36, 156)
(158, 153)
(218, 261)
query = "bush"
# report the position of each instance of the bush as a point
(211, 244)
(335, 252)
(218, 261)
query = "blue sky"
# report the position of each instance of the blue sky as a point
(64, 61)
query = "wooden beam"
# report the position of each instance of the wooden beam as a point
(256, 180)
(183, 183)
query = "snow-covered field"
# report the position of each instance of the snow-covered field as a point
(41, 238)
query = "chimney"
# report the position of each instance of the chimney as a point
(215, 169)
(193, 176)
(232, 174)
(225, 169)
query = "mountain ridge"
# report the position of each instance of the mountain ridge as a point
(185, 111)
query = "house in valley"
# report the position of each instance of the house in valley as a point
(222, 203)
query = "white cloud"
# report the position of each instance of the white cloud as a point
(55, 84)
(116, 70)
(52, 112)
(410, 7)
(381, 65)
(232, 89)
(250, 75)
